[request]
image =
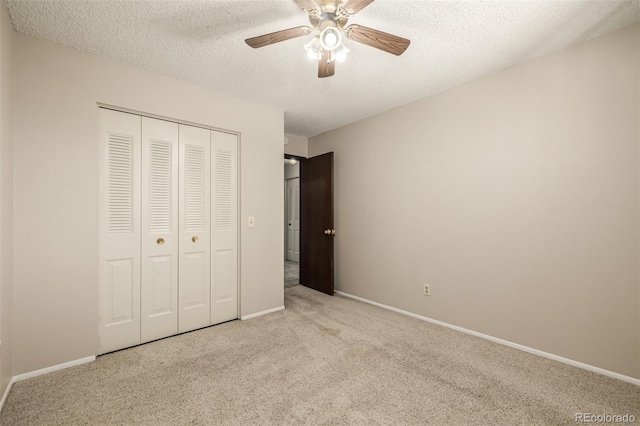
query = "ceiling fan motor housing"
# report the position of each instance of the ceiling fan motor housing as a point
(329, 16)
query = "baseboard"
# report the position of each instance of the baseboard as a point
(543, 354)
(53, 368)
(6, 393)
(40, 372)
(259, 314)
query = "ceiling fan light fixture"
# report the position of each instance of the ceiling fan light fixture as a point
(330, 38)
(314, 49)
(340, 54)
(314, 55)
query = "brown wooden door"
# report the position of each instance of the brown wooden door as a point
(316, 223)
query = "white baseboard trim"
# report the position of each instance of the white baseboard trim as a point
(543, 354)
(259, 314)
(6, 394)
(40, 372)
(53, 368)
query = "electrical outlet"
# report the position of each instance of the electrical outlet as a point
(427, 290)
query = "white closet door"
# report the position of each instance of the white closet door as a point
(195, 239)
(119, 270)
(224, 228)
(159, 229)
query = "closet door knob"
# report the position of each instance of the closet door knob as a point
(160, 241)
(194, 239)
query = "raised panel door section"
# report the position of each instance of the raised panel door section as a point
(120, 288)
(224, 227)
(195, 238)
(119, 248)
(159, 229)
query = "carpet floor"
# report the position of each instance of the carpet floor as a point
(324, 360)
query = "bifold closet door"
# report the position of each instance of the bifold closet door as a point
(159, 288)
(224, 228)
(119, 253)
(195, 235)
(168, 229)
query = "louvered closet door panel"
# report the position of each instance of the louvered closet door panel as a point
(224, 227)
(159, 229)
(119, 257)
(195, 204)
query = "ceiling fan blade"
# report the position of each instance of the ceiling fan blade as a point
(307, 5)
(351, 7)
(326, 67)
(378, 39)
(277, 37)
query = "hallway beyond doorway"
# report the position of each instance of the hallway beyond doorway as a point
(291, 273)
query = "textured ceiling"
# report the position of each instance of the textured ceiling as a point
(202, 42)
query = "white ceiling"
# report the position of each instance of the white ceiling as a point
(202, 42)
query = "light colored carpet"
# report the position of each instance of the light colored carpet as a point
(324, 360)
(291, 273)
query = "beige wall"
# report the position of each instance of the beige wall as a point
(298, 145)
(56, 181)
(516, 197)
(6, 196)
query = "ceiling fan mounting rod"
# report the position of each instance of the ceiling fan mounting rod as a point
(329, 6)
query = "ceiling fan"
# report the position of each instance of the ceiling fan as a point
(329, 18)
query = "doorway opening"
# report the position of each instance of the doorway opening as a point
(291, 221)
(309, 230)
